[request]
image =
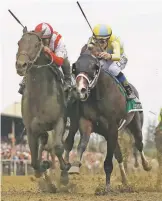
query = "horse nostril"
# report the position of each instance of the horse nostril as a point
(21, 65)
(83, 90)
(24, 65)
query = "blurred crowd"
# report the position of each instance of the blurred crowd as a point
(20, 154)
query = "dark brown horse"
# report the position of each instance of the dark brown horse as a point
(73, 113)
(102, 103)
(43, 100)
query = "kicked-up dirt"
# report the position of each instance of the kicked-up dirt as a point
(82, 187)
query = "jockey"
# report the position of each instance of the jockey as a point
(53, 44)
(113, 51)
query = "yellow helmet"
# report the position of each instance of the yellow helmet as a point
(102, 31)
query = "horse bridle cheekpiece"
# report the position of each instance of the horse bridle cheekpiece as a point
(96, 75)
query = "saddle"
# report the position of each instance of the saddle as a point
(133, 105)
(58, 73)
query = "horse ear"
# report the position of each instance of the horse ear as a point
(25, 30)
(40, 34)
(73, 68)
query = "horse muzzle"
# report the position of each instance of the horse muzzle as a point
(83, 94)
(21, 67)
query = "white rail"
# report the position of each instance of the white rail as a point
(13, 166)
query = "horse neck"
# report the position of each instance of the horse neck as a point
(105, 82)
(40, 79)
(42, 60)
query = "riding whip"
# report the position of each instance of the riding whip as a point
(16, 18)
(88, 24)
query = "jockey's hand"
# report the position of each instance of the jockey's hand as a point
(105, 55)
(47, 49)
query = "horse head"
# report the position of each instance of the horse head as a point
(29, 48)
(85, 69)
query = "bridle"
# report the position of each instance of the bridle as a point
(91, 83)
(31, 62)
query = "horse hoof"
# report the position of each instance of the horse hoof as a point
(51, 188)
(74, 170)
(102, 190)
(146, 166)
(37, 174)
(125, 182)
(45, 186)
(136, 165)
(126, 189)
(45, 165)
(64, 179)
(67, 166)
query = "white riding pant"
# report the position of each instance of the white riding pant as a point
(114, 67)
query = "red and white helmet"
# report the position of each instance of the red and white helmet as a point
(44, 26)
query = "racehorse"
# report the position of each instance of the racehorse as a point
(43, 100)
(73, 113)
(103, 103)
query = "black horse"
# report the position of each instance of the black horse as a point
(103, 104)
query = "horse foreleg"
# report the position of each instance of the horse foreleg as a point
(85, 128)
(59, 147)
(111, 137)
(69, 142)
(33, 145)
(52, 153)
(40, 148)
(50, 177)
(119, 158)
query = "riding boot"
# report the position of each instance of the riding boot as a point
(67, 74)
(22, 86)
(122, 79)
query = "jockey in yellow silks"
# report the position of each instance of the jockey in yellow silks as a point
(112, 50)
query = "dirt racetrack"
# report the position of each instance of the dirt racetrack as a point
(25, 188)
